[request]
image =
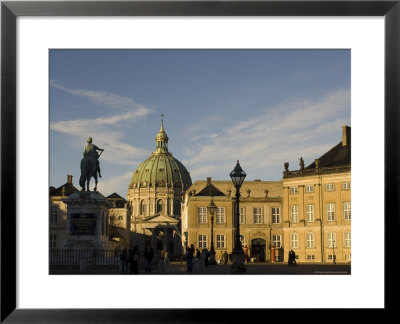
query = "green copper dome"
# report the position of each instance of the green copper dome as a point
(161, 169)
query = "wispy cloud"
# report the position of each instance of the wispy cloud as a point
(283, 133)
(104, 129)
(100, 97)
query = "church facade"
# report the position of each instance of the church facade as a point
(155, 195)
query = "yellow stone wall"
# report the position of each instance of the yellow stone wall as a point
(321, 226)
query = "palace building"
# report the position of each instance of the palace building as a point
(260, 218)
(155, 194)
(317, 206)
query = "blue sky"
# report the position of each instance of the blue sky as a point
(263, 107)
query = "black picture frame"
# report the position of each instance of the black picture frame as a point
(10, 10)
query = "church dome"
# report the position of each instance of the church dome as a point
(161, 169)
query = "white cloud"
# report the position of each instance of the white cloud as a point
(104, 129)
(100, 97)
(295, 128)
(114, 184)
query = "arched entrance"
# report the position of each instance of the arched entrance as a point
(258, 249)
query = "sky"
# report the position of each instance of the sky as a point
(261, 107)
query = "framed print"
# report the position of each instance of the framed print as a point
(37, 61)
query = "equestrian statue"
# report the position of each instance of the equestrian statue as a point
(90, 165)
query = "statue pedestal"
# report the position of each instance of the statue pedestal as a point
(87, 221)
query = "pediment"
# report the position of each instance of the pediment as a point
(161, 219)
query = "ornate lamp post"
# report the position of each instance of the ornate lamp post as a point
(211, 209)
(237, 176)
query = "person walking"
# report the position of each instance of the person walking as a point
(149, 256)
(246, 254)
(225, 257)
(294, 258)
(124, 261)
(134, 260)
(189, 258)
(206, 256)
(290, 258)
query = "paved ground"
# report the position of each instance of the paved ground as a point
(177, 268)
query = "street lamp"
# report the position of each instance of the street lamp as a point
(237, 176)
(211, 209)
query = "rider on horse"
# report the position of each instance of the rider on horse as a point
(91, 151)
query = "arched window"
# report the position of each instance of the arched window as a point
(143, 207)
(160, 206)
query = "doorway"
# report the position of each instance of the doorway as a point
(258, 250)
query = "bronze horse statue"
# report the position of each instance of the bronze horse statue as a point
(89, 169)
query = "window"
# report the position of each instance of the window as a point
(142, 207)
(120, 218)
(220, 215)
(294, 214)
(276, 241)
(310, 213)
(294, 190)
(242, 239)
(220, 241)
(346, 186)
(53, 213)
(330, 187)
(347, 210)
(347, 239)
(242, 216)
(276, 215)
(202, 211)
(53, 241)
(311, 257)
(347, 257)
(202, 241)
(331, 240)
(257, 215)
(309, 188)
(331, 257)
(310, 240)
(330, 212)
(294, 240)
(160, 207)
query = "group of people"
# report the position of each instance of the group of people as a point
(196, 260)
(292, 258)
(223, 258)
(130, 260)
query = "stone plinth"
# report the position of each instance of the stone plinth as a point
(87, 221)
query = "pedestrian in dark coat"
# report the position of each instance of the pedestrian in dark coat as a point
(189, 258)
(134, 260)
(149, 256)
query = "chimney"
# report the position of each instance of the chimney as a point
(69, 177)
(346, 139)
(208, 180)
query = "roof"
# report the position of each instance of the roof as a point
(258, 188)
(65, 190)
(161, 169)
(210, 190)
(337, 159)
(115, 196)
(339, 155)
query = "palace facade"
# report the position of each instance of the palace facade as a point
(317, 206)
(260, 217)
